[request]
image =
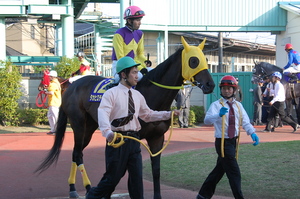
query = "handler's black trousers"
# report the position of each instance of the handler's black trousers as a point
(118, 160)
(278, 107)
(227, 165)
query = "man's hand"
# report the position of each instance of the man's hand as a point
(223, 111)
(110, 136)
(176, 112)
(255, 139)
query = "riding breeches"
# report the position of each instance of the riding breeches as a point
(292, 69)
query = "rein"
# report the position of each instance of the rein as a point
(42, 96)
(121, 142)
(223, 131)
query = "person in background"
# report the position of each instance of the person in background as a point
(148, 65)
(129, 40)
(239, 93)
(84, 68)
(277, 104)
(292, 67)
(54, 101)
(237, 116)
(117, 114)
(183, 104)
(258, 102)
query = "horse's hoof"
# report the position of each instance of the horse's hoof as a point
(73, 194)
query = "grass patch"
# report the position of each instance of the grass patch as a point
(269, 170)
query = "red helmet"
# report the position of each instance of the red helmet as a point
(288, 46)
(133, 12)
(228, 80)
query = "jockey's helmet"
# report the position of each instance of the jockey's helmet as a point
(125, 62)
(277, 74)
(133, 12)
(288, 46)
(228, 80)
(52, 73)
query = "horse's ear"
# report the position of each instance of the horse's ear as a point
(255, 62)
(201, 46)
(185, 44)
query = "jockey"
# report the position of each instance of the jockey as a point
(84, 65)
(292, 66)
(129, 40)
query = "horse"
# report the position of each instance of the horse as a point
(188, 63)
(292, 90)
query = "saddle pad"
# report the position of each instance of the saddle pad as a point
(99, 89)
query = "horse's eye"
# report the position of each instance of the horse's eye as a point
(194, 62)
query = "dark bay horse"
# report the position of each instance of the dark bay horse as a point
(185, 64)
(292, 90)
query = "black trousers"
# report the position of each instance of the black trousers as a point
(227, 165)
(118, 160)
(278, 108)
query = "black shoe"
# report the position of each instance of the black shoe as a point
(50, 133)
(273, 129)
(297, 127)
(185, 127)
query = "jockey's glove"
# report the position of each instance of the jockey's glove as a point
(255, 139)
(223, 111)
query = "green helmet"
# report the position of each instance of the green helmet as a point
(125, 62)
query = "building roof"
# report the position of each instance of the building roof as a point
(231, 45)
(12, 52)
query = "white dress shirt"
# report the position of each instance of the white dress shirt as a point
(279, 93)
(114, 105)
(212, 117)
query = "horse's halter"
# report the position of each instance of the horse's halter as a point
(261, 73)
(193, 60)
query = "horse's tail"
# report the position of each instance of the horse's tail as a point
(58, 141)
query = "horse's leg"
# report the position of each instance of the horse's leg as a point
(298, 110)
(82, 135)
(155, 145)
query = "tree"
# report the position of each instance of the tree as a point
(10, 93)
(66, 66)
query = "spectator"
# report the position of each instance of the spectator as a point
(239, 93)
(54, 101)
(227, 164)
(257, 102)
(183, 104)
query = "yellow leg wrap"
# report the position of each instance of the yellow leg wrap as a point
(72, 176)
(85, 178)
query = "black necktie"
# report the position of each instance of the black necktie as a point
(231, 121)
(131, 109)
(124, 120)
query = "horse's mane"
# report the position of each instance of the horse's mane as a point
(157, 73)
(270, 66)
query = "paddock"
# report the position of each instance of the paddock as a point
(21, 153)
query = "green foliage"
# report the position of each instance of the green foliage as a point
(33, 116)
(39, 69)
(66, 66)
(199, 113)
(192, 117)
(10, 93)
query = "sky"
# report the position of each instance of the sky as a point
(113, 9)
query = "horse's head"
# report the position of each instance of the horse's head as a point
(195, 68)
(262, 70)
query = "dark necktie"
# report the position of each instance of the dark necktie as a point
(131, 109)
(124, 120)
(231, 121)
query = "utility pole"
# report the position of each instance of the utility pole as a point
(220, 46)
